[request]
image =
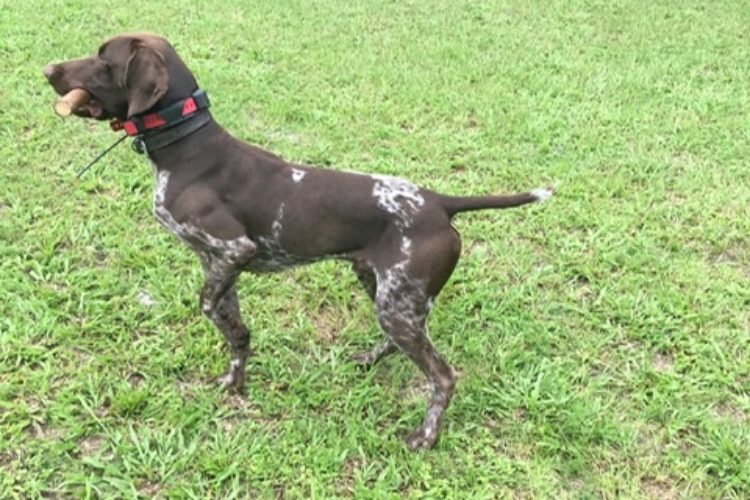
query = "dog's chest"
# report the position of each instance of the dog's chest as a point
(269, 253)
(162, 213)
(192, 234)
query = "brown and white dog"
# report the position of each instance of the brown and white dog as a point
(244, 209)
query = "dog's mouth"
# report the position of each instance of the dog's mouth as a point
(91, 109)
(65, 85)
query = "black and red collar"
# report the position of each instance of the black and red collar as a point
(163, 119)
(161, 128)
(156, 130)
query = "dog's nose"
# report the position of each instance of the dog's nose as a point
(49, 70)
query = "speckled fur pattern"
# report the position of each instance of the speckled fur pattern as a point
(241, 208)
(402, 307)
(238, 249)
(222, 261)
(398, 197)
(271, 255)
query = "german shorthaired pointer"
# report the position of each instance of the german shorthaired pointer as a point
(244, 209)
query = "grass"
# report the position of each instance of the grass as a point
(602, 339)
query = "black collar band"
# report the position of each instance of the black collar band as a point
(154, 140)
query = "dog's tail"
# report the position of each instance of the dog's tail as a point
(456, 204)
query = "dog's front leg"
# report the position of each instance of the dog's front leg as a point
(219, 302)
(226, 316)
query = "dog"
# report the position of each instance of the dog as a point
(241, 208)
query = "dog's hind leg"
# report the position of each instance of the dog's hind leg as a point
(366, 276)
(402, 310)
(405, 291)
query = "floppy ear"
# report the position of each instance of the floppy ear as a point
(146, 78)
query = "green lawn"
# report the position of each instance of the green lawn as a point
(602, 339)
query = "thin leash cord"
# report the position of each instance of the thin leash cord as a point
(101, 155)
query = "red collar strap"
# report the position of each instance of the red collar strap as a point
(165, 118)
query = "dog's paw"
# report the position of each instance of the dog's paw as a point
(421, 439)
(230, 382)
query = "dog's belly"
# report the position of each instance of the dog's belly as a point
(270, 254)
(271, 258)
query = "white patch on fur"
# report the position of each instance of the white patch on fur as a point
(398, 197)
(397, 294)
(234, 249)
(397, 290)
(273, 241)
(298, 175)
(272, 256)
(542, 194)
(405, 246)
(276, 226)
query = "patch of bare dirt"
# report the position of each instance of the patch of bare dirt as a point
(237, 401)
(329, 322)
(663, 362)
(731, 412)
(658, 489)
(519, 414)
(347, 478)
(135, 379)
(40, 430)
(7, 457)
(478, 247)
(148, 488)
(731, 257)
(418, 391)
(90, 445)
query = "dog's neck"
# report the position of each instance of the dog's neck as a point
(152, 141)
(166, 124)
(197, 148)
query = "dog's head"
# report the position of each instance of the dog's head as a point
(129, 75)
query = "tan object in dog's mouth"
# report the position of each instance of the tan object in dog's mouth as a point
(71, 101)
